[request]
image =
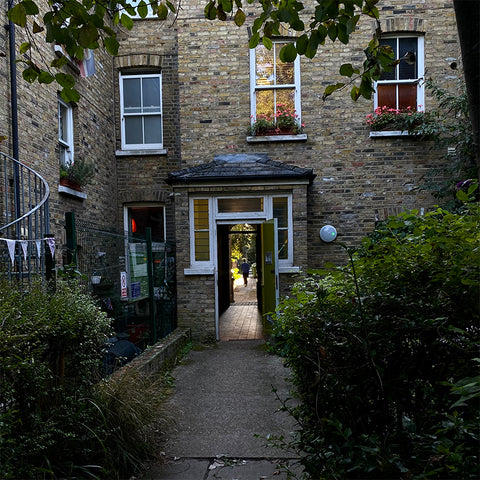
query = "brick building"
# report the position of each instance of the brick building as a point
(166, 123)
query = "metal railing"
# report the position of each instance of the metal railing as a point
(24, 219)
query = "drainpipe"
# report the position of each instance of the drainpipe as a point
(13, 100)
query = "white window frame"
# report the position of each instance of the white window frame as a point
(126, 223)
(420, 59)
(206, 265)
(286, 262)
(243, 217)
(140, 146)
(65, 141)
(254, 87)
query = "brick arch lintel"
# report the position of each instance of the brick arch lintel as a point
(403, 23)
(136, 60)
(141, 195)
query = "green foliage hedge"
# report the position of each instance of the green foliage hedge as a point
(387, 375)
(51, 350)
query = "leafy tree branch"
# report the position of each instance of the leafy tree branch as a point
(88, 24)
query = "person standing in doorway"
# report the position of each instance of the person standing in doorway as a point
(245, 268)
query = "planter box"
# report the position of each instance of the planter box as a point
(65, 182)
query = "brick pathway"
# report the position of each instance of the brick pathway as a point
(242, 320)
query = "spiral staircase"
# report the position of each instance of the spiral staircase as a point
(24, 220)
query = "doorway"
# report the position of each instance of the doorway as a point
(238, 299)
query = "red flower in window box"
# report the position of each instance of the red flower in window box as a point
(388, 118)
(284, 122)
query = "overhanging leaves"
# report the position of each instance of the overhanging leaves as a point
(332, 88)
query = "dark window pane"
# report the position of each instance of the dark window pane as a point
(282, 244)
(387, 96)
(151, 95)
(393, 43)
(153, 129)
(131, 95)
(280, 211)
(133, 130)
(407, 68)
(232, 205)
(407, 95)
(143, 217)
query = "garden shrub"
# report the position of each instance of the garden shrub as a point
(386, 373)
(51, 350)
(60, 415)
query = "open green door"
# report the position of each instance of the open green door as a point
(270, 278)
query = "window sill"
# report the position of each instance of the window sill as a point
(390, 133)
(71, 192)
(277, 138)
(131, 153)
(199, 271)
(289, 269)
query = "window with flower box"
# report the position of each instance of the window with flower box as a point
(275, 92)
(402, 90)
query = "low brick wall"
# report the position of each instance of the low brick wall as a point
(163, 354)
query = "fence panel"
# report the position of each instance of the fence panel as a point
(114, 266)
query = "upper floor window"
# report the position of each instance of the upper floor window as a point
(65, 133)
(273, 82)
(403, 87)
(141, 111)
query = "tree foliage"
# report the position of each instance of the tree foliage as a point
(385, 361)
(86, 24)
(450, 128)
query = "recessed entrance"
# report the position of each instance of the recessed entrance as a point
(240, 317)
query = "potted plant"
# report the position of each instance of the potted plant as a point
(76, 175)
(284, 122)
(388, 119)
(262, 125)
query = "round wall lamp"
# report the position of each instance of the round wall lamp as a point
(328, 233)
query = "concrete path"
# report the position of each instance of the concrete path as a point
(224, 398)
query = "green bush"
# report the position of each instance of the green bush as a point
(379, 369)
(51, 351)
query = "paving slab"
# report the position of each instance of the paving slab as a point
(223, 469)
(226, 400)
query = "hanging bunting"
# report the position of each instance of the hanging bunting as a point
(51, 245)
(11, 249)
(24, 244)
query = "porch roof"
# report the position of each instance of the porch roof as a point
(241, 166)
